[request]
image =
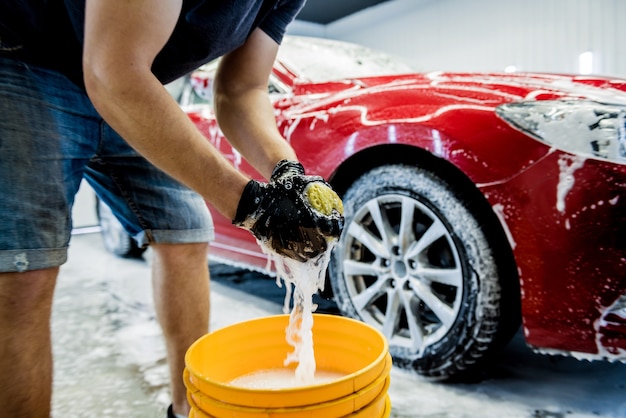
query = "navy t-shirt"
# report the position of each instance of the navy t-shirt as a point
(49, 33)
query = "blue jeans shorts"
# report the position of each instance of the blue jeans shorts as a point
(51, 138)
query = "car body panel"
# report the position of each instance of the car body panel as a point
(571, 261)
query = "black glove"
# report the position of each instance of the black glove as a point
(286, 168)
(296, 215)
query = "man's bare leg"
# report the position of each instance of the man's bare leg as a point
(181, 293)
(25, 343)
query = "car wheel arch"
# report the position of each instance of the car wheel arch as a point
(366, 160)
(369, 158)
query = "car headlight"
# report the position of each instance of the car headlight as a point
(585, 128)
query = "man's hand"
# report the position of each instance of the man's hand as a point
(294, 214)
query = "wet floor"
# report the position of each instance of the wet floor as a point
(110, 358)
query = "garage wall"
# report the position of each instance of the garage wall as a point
(490, 35)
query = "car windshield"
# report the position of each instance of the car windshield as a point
(319, 60)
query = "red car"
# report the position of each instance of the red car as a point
(472, 201)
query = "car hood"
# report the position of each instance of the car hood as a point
(505, 87)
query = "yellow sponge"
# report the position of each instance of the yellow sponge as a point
(323, 199)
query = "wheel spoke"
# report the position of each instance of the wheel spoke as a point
(445, 313)
(364, 299)
(391, 313)
(406, 223)
(368, 239)
(415, 331)
(448, 276)
(382, 224)
(357, 268)
(432, 234)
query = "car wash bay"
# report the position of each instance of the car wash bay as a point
(110, 359)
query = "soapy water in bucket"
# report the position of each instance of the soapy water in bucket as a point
(280, 379)
(302, 280)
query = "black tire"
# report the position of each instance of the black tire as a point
(115, 238)
(417, 261)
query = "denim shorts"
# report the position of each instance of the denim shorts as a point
(51, 138)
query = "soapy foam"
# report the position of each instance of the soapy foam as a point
(280, 379)
(306, 278)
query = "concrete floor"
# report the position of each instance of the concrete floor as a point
(109, 353)
(110, 361)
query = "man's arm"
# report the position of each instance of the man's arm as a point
(243, 109)
(294, 214)
(122, 38)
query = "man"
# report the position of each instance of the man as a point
(77, 76)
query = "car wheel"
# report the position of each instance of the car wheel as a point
(416, 262)
(115, 238)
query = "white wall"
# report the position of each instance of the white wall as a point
(489, 35)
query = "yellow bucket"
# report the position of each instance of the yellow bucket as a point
(351, 348)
